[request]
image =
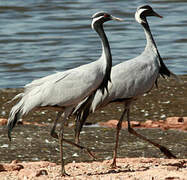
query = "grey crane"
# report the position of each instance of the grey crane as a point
(130, 80)
(62, 91)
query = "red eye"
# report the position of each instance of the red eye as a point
(106, 15)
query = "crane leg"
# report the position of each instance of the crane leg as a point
(78, 126)
(61, 133)
(63, 173)
(90, 153)
(118, 128)
(55, 135)
(66, 114)
(164, 150)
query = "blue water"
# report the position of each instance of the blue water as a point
(38, 38)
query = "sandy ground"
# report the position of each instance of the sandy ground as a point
(128, 168)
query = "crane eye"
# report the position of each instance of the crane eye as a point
(106, 15)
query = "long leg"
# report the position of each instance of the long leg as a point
(66, 114)
(61, 133)
(118, 128)
(54, 134)
(162, 148)
(80, 147)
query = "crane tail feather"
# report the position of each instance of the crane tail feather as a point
(164, 71)
(12, 122)
(14, 116)
(81, 112)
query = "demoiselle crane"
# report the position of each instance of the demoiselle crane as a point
(62, 91)
(130, 80)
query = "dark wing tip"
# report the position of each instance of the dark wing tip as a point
(11, 124)
(9, 132)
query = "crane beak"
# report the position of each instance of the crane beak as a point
(117, 19)
(157, 15)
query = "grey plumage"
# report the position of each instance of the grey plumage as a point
(64, 90)
(130, 80)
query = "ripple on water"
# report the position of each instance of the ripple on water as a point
(38, 38)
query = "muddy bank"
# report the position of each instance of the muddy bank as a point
(128, 168)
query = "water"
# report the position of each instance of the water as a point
(38, 38)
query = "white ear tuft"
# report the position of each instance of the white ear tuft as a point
(94, 20)
(138, 14)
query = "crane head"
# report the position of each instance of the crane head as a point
(101, 17)
(144, 11)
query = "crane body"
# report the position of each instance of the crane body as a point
(62, 91)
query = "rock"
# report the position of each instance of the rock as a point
(110, 123)
(17, 167)
(155, 126)
(12, 167)
(135, 123)
(3, 121)
(14, 161)
(176, 120)
(148, 123)
(184, 126)
(41, 172)
(172, 168)
(2, 168)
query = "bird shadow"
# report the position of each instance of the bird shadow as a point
(180, 164)
(117, 171)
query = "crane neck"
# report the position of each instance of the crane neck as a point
(152, 45)
(150, 41)
(106, 53)
(106, 56)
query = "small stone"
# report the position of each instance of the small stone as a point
(17, 167)
(14, 161)
(41, 173)
(2, 168)
(155, 125)
(172, 168)
(176, 120)
(13, 167)
(148, 122)
(135, 123)
(184, 127)
(3, 121)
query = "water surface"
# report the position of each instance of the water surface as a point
(38, 38)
